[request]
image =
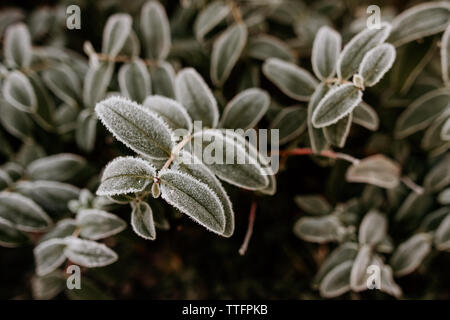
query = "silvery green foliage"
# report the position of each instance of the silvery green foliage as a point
(86, 130)
(210, 17)
(60, 167)
(442, 235)
(445, 56)
(115, 34)
(10, 237)
(155, 30)
(444, 196)
(98, 224)
(377, 170)
(355, 50)
(88, 253)
(294, 81)
(15, 122)
(336, 282)
(336, 104)
(364, 115)
(194, 198)
(96, 82)
(246, 109)
(64, 83)
(319, 229)
(336, 134)
(262, 47)
(163, 79)
(410, 254)
(49, 286)
(49, 255)
(18, 91)
(142, 220)
(126, 175)
(194, 94)
(291, 121)
(325, 52)
(226, 51)
(173, 113)
(134, 80)
(420, 21)
(313, 204)
(373, 228)
(316, 135)
(17, 46)
(439, 176)
(376, 63)
(139, 129)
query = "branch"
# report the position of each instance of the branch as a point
(248, 235)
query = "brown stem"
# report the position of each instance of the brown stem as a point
(248, 235)
(412, 185)
(325, 153)
(175, 151)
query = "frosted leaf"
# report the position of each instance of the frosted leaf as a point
(209, 17)
(194, 198)
(316, 136)
(227, 49)
(318, 229)
(23, 213)
(325, 52)
(17, 46)
(173, 113)
(86, 130)
(376, 63)
(62, 229)
(264, 46)
(138, 128)
(10, 237)
(96, 82)
(354, 51)
(295, 82)
(98, 224)
(18, 91)
(198, 170)
(116, 32)
(195, 95)
(48, 286)
(373, 228)
(337, 281)
(442, 235)
(445, 55)
(336, 134)
(291, 122)
(142, 220)
(409, 255)
(228, 158)
(246, 109)
(439, 176)
(126, 175)
(134, 80)
(359, 268)
(89, 254)
(377, 170)
(59, 167)
(313, 204)
(335, 105)
(64, 83)
(364, 115)
(163, 79)
(49, 255)
(16, 122)
(155, 30)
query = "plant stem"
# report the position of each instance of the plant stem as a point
(412, 185)
(325, 153)
(175, 151)
(248, 235)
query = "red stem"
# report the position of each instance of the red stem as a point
(248, 235)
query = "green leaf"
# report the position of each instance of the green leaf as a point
(445, 132)
(444, 197)
(225, 154)
(173, 113)
(155, 30)
(18, 91)
(364, 115)
(62, 229)
(442, 235)
(227, 49)
(319, 229)
(194, 94)
(422, 112)
(17, 46)
(64, 83)
(295, 82)
(439, 176)
(336, 134)
(213, 14)
(377, 170)
(246, 109)
(410, 254)
(15, 121)
(313, 204)
(45, 105)
(49, 255)
(335, 105)
(142, 220)
(355, 50)
(445, 55)
(194, 198)
(163, 79)
(291, 122)
(138, 128)
(98, 224)
(134, 80)
(420, 21)
(373, 228)
(89, 254)
(48, 286)
(337, 281)
(116, 32)
(126, 175)
(264, 46)
(88, 291)
(51, 196)
(325, 52)
(414, 207)
(23, 213)
(96, 82)
(359, 269)
(86, 130)
(10, 237)
(376, 63)
(59, 167)
(193, 166)
(316, 136)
